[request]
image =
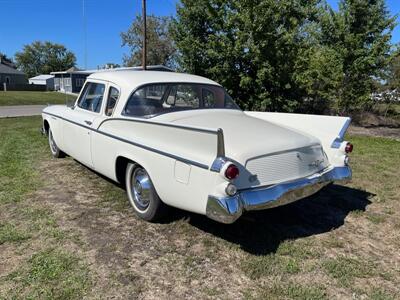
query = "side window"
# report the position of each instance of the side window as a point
(92, 96)
(113, 95)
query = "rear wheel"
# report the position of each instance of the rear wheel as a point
(55, 151)
(142, 194)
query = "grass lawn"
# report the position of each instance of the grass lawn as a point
(37, 98)
(67, 233)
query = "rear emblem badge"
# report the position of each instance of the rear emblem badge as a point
(253, 178)
(316, 164)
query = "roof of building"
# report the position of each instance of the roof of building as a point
(132, 79)
(4, 69)
(75, 70)
(42, 77)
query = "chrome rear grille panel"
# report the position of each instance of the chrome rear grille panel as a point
(286, 166)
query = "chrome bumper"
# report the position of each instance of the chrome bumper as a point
(228, 209)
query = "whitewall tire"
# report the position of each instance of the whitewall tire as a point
(142, 194)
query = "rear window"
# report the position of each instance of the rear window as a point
(155, 99)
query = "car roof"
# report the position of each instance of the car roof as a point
(130, 79)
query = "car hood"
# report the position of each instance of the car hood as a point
(245, 137)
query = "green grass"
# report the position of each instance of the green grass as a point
(21, 145)
(261, 266)
(345, 269)
(33, 98)
(9, 234)
(51, 274)
(287, 290)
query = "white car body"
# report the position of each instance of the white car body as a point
(281, 157)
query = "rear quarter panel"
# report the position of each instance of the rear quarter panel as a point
(176, 159)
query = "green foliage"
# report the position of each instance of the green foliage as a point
(43, 58)
(360, 31)
(286, 55)
(250, 48)
(160, 47)
(6, 60)
(394, 72)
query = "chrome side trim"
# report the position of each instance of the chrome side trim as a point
(229, 209)
(181, 159)
(220, 143)
(339, 139)
(218, 163)
(137, 120)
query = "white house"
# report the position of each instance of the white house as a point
(47, 80)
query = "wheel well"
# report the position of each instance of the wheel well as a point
(46, 126)
(120, 168)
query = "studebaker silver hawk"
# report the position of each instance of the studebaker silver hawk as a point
(180, 140)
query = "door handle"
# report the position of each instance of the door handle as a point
(88, 122)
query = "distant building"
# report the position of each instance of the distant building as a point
(45, 80)
(10, 75)
(73, 79)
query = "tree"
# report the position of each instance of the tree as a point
(361, 32)
(43, 58)
(250, 47)
(160, 46)
(393, 81)
(6, 60)
(320, 73)
(293, 55)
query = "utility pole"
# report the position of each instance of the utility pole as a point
(144, 50)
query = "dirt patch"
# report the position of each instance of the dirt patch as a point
(386, 132)
(131, 257)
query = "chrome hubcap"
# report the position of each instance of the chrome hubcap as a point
(141, 188)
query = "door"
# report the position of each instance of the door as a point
(80, 125)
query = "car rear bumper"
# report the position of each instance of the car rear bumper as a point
(229, 209)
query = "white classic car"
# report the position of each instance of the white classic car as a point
(180, 140)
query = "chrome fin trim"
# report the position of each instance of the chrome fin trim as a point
(339, 139)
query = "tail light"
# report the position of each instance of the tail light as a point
(231, 172)
(348, 148)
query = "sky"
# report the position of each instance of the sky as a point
(25, 21)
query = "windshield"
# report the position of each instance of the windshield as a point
(155, 99)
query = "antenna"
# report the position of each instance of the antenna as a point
(84, 32)
(144, 50)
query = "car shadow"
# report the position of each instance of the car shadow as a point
(261, 232)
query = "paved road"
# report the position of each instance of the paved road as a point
(20, 110)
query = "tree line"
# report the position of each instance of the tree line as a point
(292, 55)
